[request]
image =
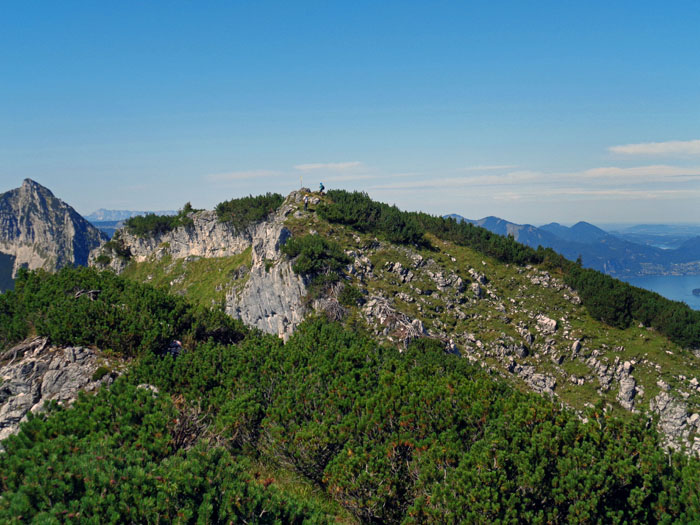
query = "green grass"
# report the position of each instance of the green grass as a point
(291, 483)
(204, 280)
(576, 367)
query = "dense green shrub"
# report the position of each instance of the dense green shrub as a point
(114, 458)
(425, 436)
(152, 224)
(350, 295)
(357, 210)
(103, 259)
(317, 258)
(248, 210)
(125, 317)
(13, 325)
(419, 436)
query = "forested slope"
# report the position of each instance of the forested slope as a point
(540, 321)
(374, 433)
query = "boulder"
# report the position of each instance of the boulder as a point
(545, 324)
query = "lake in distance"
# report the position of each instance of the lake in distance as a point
(676, 287)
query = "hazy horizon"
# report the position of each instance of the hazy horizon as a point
(534, 113)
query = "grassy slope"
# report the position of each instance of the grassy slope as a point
(205, 281)
(521, 301)
(490, 319)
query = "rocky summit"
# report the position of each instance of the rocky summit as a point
(39, 230)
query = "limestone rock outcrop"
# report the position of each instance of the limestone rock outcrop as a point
(38, 230)
(205, 237)
(675, 423)
(35, 372)
(271, 298)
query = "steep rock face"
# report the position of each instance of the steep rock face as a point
(206, 237)
(41, 231)
(271, 298)
(35, 372)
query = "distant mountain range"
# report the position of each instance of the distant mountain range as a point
(103, 215)
(109, 221)
(610, 253)
(667, 236)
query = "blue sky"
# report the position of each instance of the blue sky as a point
(532, 111)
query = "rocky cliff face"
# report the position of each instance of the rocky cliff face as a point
(206, 237)
(270, 299)
(34, 372)
(39, 230)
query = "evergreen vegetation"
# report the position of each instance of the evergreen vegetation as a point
(363, 214)
(122, 316)
(316, 257)
(116, 458)
(412, 437)
(248, 210)
(606, 299)
(152, 224)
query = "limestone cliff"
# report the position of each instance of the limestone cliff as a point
(38, 230)
(270, 298)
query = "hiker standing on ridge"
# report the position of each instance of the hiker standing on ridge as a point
(306, 202)
(321, 187)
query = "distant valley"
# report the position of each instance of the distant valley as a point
(632, 252)
(663, 236)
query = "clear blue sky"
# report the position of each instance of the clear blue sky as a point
(532, 111)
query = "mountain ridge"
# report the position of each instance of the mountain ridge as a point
(429, 357)
(522, 322)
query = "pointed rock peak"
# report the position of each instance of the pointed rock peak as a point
(32, 185)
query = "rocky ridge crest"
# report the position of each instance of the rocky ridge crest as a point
(522, 323)
(270, 295)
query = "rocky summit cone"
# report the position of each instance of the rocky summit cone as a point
(39, 230)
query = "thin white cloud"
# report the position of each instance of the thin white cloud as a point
(494, 167)
(672, 147)
(617, 194)
(329, 166)
(592, 178)
(348, 178)
(515, 177)
(242, 175)
(659, 171)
